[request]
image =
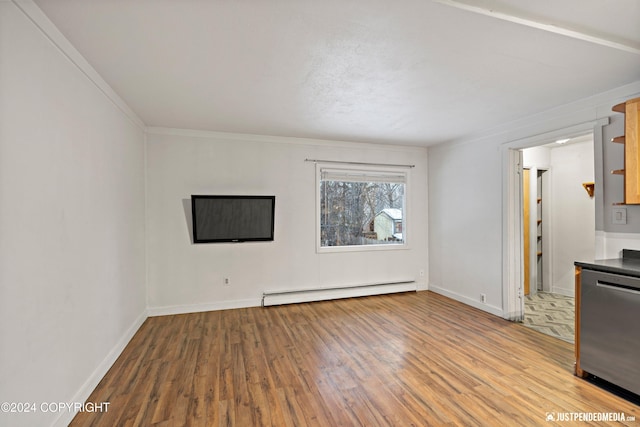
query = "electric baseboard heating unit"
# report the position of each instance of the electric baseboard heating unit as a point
(295, 296)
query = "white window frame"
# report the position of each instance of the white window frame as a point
(364, 170)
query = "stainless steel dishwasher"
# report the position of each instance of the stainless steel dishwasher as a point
(610, 328)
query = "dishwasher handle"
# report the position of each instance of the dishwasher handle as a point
(616, 287)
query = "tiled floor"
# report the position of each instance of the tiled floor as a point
(551, 314)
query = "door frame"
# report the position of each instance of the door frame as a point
(512, 221)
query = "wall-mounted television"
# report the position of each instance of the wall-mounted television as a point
(219, 219)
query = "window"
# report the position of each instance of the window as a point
(361, 208)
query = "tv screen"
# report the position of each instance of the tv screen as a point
(232, 218)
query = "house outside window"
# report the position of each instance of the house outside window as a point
(361, 208)
(388, 224)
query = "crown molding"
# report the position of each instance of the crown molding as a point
(51, 32)
(228, 136)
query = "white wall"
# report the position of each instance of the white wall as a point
(186, 277)
(572, 213)
(71, 224)
(465, 224)
(467, 202)
(536, 158)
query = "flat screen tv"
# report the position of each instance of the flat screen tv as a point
(232, 218)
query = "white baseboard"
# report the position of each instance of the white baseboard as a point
(566, 292)
(87, 388)
(466, 300)
(198, 308)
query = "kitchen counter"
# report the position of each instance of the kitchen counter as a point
(628, 265)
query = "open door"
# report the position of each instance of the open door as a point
(512, 300)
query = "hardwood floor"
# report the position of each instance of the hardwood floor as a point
(405, 359)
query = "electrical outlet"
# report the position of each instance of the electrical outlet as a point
(421, 273)
(483, 298)
(226, 281)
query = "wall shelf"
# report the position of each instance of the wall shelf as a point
(590, 187)
(619, 108)
(618, 139)
(631, 141)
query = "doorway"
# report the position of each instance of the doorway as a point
(558, 229)
(512, 162)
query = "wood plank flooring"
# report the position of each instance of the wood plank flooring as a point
(412, 359)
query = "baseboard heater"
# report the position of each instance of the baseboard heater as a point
(294, 296)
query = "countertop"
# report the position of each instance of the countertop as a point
(628, 265)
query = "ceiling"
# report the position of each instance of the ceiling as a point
(413, 72)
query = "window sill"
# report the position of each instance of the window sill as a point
(361, 248)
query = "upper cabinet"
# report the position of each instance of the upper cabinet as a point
(631, 141)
